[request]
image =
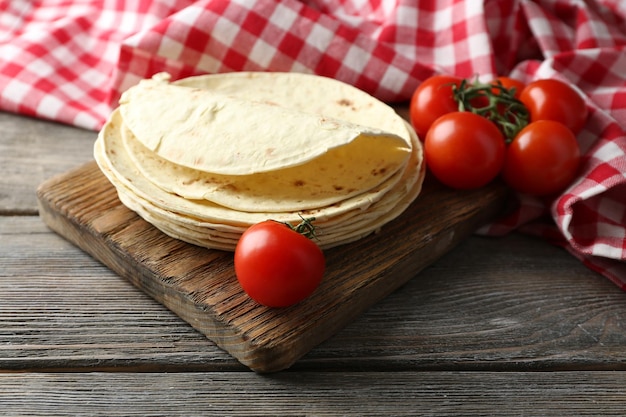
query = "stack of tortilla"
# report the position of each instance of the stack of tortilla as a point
(205, 157)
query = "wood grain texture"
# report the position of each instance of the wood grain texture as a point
(512, 303)
(319, 394)
(456, 340)
(31, 151)
(62, 310)
(199, 284)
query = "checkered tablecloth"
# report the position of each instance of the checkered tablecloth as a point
(69, 61)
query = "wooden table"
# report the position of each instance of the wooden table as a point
(499, 326)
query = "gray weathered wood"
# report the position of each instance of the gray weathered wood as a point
(457, 340)
(542, 394)
(33, 150)
(510, 303)
(61, 309)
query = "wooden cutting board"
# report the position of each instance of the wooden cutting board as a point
(200, 286)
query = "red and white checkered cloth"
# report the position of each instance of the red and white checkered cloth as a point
(69, 61)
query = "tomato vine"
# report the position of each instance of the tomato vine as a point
(305, 227)
(494, 102)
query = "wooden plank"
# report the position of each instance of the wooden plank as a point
(62, 310)
(199, 284)
(512, 303)
(320, 394)
(32, 151)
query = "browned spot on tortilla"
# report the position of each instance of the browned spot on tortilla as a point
(338, 187)
(230, 187)
(214, 180)
(346, 103)
(381, 171)
(298, 183)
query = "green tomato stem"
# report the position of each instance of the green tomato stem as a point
(494, 102)
(305, 227)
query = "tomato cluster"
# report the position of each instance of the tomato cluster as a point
(473, 132)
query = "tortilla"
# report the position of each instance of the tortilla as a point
(212, 209)
(325, 180)
(221, 134)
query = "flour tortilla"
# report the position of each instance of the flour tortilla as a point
(339, 174)
(167, 194)
(212, 132)
(202, 223)
(322, 160)
(118, 166)
(308, 93)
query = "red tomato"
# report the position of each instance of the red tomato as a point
(432, 99)
(464, 150)
(555, 100)
(510, 83)
(277, 266)
(542, 159)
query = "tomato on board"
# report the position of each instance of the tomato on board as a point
(542, 159)
(432, 99)
(464, 150)
(551, 99)
(277, 266)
